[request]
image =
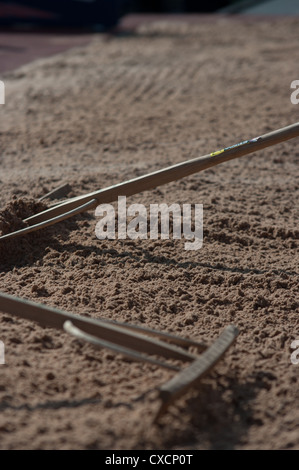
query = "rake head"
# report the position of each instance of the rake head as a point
(135, 342)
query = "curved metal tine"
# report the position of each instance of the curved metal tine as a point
(100, 343)
(178, 340)
(190, 376)
(48, 223)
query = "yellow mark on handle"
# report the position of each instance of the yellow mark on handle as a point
(216, 153)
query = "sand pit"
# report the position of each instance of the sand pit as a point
(116, 109)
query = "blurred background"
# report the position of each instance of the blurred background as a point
(31, 29)
(106, 14)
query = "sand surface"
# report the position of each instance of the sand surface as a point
(116, 109)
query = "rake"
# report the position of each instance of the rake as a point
(71, 207)
(133, 341)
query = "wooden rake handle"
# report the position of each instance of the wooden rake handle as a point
(79, 204)
(172, 173)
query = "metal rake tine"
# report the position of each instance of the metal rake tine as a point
(57, 193)
(49, 222)
(169, 174)
(191, 375)
(100, 343)
(52, 317)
